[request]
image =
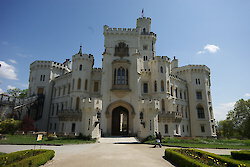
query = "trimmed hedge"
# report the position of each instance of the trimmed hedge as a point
(180, 159)
(241, 155)
(26, 158)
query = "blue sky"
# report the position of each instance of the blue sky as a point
(211, 32)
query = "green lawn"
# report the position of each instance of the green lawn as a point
(244, 161)
(205, 143)
(31, 139)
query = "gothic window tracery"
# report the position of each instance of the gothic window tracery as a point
(121, 76)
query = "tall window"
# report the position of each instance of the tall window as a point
(68, 88)
(198, 95)
(166, 128)
(96, 86)
(121, 76)
(200, 112)
(162, 104)
(155, 86)
(77, 103)
(73, 84)
(86, 84)
(79, 84)
(176, 93)
(73, 127)
(202, 128)
(168, 86)
(145, 87)
(80, 67)
(176, 129)
(161, 69)
(162, 85)
(171, 91)
(197, 81)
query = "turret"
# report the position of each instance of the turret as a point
(145, 24)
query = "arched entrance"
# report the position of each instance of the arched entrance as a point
(120, 121)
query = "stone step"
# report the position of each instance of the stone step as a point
(119, 140)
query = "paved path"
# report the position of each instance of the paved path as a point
(106, 154)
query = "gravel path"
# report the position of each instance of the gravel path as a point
(106, 154)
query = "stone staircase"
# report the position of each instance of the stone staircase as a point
(119, 140)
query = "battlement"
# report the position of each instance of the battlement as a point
(131, 31)
(48, 64)
(97, 70)
(88, 57)
(142, 18)
(160, 59)
(145, 71)
(193, 68)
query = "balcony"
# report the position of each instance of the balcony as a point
(70, 115)
(172, 116)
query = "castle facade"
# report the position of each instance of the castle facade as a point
(135, 93)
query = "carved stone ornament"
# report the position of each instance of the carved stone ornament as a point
(121, 50)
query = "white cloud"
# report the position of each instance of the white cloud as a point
(10, 87)
(1, 90)
(247, 95)
(209, 49)
(13, 61)
(7, 71)
(221, 110)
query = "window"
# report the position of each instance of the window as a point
(162, 85)
(52, 112)
(171, 91)
(145, 87)
(183, 128)
(209, 96)
(59, 91)
(185, 95)
(168, 86)
(176, 93)
(57, 108)
(176, 129)
(121, 76)
(187, 128)
(80, 67)
(177, 108)
(54, 126)
(155, 86)
(166, 128)
(161, 69)
(199, 95)
(89, 125)
(77, 103)
(73, 127)
(197, 81)
(200, 112)
(150, 125)
(145, 47)
(86, 84)
(68, 88)
(145, 58)
(43, 77)
(79, 84)
(96, 86)
(62, 106)
(213, 128)
(202, 128)
(181, 94)
(162, 104)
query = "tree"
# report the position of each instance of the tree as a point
(226, 128)
(9, 126)
(240, 116)
(18, 93)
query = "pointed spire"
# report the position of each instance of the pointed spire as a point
(142, 12)
(80, 51)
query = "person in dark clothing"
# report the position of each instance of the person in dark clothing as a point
(158, 139)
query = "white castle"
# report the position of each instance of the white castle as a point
(135, 93)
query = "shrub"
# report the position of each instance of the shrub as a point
(25, 158)
(52, 137)
(149, 138)
(198, 158)
(241, 155)
(81, 136)
(9, 126)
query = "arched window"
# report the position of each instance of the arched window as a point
(79, 84)
(162, 85)
(144, 30)
(162, 104)
(80, 67)
(155, 86)
(77, 103)
(114, 76)
(86, 84)
(200, 112)
(161, 69)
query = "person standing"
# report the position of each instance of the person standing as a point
(157, 139)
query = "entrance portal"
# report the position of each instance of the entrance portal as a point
(120, 122)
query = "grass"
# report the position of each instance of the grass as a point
(31, 139)
(204, 143)
(244, 161)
